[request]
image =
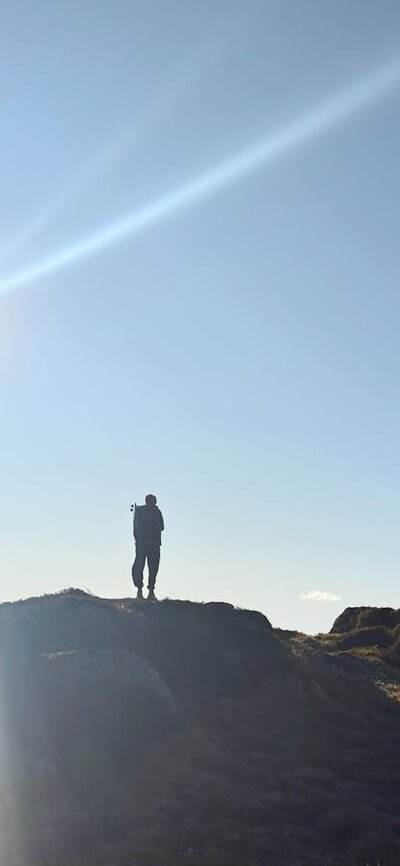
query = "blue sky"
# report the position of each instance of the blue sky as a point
(237, 353)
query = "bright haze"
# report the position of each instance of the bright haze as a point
(199, 298)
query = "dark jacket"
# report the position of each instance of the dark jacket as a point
(148, 525)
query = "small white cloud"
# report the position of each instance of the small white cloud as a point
(319, 595)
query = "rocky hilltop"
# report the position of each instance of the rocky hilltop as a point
(137, 734)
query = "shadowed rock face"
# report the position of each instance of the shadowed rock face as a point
(364, 617)
(57, 623)
(62, 701)
(134, 734)
(369, 628)
(200, 651)
(70, 721)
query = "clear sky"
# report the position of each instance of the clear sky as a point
(199, 297)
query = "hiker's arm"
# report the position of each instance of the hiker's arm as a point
(161, 520)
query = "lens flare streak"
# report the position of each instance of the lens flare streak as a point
(357, 98)
(196, 64)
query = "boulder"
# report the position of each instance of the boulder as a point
(62, 707)
(363, 617)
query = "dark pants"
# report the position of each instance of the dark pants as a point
(151, 552)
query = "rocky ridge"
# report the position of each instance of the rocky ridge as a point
(168, 733)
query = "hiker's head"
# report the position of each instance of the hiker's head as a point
(151, 499)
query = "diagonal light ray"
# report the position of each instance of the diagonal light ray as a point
(197, 63)
(359, 96)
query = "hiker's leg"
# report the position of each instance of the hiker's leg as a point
(138, 566)
(153, 559)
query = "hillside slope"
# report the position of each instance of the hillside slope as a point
(149, 735)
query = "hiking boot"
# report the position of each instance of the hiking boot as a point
(139, 593)
(151, 596)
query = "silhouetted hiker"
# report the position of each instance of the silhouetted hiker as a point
(148, 525)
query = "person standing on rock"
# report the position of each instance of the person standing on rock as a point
(148, 525)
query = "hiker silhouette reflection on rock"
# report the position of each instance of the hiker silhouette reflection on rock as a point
(148, 525)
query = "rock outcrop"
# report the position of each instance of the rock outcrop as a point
(364, 617)
(139, 734)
